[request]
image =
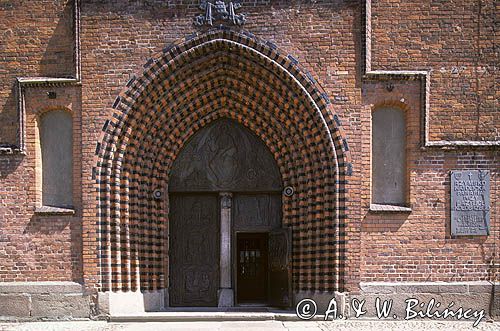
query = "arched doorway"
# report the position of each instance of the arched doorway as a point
(184, 88)
(225, 213)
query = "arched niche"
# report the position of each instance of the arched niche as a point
(56, 151)
(389, 156)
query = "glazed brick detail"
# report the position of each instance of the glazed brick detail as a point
(212, 75)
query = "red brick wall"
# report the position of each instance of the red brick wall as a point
(36, 39)
(35, 246)
(117, 39)
(418, 246)
(454, 39)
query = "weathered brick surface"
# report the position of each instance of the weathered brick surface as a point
(39, 247)
(453, 38)
(36, 39)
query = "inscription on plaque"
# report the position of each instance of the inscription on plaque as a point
(470, 202)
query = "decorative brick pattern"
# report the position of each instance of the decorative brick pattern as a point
(220, 73)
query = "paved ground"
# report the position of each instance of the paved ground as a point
(362, 325)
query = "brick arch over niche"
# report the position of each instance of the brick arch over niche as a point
(218, 74)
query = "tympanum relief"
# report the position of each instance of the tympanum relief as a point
(224, 156)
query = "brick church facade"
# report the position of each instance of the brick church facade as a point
(158, 154)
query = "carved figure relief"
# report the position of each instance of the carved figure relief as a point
(224, 156)
(278, 251)
(197, 284)
(262, 211)
(279, 267)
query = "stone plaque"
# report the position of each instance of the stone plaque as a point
(470, 202)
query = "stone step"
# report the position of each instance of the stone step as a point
(191, 316)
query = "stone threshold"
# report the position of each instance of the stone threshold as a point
(207, 314)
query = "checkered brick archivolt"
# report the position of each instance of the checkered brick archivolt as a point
(220, 73)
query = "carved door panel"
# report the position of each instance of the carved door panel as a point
(257, 212)
(280, 255)
(194, 250)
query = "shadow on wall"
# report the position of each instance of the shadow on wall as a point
(383, 222)
(9, 123)
(358, 46)
(9, 164)
(51, 225)
(46, 225)
(58, 59)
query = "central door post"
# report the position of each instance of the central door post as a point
(226, 293)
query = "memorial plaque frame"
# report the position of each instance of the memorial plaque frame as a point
(470, 202)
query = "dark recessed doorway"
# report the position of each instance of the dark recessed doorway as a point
(252, 274)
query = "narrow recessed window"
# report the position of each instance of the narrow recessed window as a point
(56, 145)
(389, 157)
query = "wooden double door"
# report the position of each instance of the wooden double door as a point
(260, 253)
(211, 225)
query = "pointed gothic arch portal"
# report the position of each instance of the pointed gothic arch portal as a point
(225, 200)
(234, 83)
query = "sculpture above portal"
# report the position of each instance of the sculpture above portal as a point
(219, 11)
(225, 156)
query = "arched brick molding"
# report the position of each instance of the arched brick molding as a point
(220, 73)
